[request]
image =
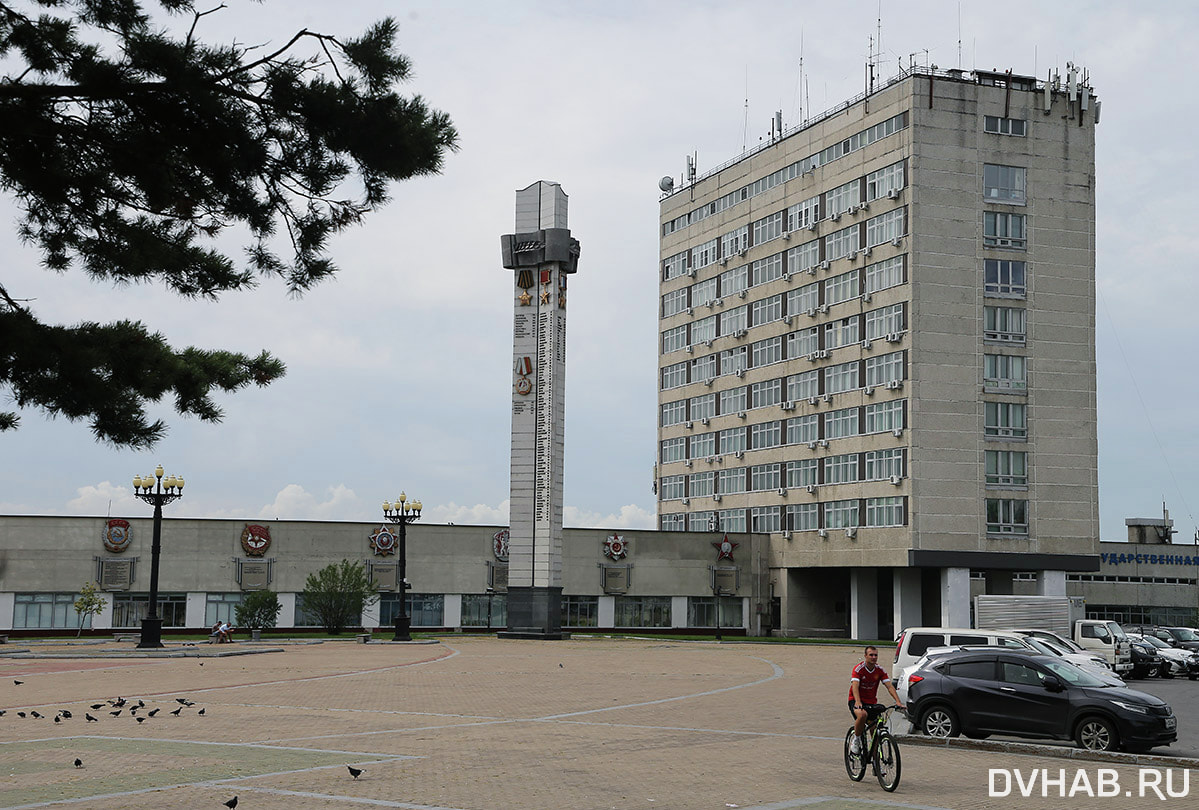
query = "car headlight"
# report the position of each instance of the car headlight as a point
(1132, 707)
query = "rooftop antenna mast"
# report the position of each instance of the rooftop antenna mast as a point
(745, 124)
(959, 35)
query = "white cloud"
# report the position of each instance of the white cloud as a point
(293, 502)
(105, 498)
(480, 514)
(629, 517)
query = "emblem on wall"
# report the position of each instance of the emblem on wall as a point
(255, 539)
(615, 547)
(724, 548)
(499, 545)
(524, 367)
(383, 542)
(117, 535)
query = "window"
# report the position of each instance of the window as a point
(46, 611)
(843, 332)
(884, 228)
(884, 368)
(674, 339)
(1004, 183)
(841, 377)
(642, 611)
(1007, 468)
(674, 266)
(802, 517)
(884, 274)
(765, 270)
(839, 244)
(766, 310)
(1005, 372)
(704, 254)
(841, 514)
(220, 607)
(579, 611)
(767, 228)
(734, 281)
(673, 487)
(766, 434)
(765, 352)
(882, 464)
(802, 343)
(703, 445)
(802, 473)
(805, 299)
(703, 330)
(884, 321)
(1004, 324)
(731, 481)
(841, 469)
(882, 182)
(734, 242)
(674, 376)
(841, 288)
(703, 407)
(491, 610)
(842, 198)
(1004, 278)
(703, 369)
(703, 484)
(1005, 126)
(884, 416)
(734, 320)
(768, 392)
(701, 611)
(674, 450)
(803, 386)
(674, 413)
(1006, 420)
(732, 401)
(764, 477)
(1004, 230)
(703, 292)
(884, 511)
(733, 360)
(731, 520)
(701, 521)
(841, 423)
(1007, 516)
(764, 519)
(974, 670)
(803, 429)
(732, 440)
(672, 303)
(128, 609)
(803, 257)
(676, 522)
(803, 214)
(425, 610)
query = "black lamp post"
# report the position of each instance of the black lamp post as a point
(402, 513)
(157, 492)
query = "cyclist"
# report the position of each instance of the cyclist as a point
(863, 693)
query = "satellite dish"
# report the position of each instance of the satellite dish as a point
(666, 183)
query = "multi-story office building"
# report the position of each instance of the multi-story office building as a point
(878, 346)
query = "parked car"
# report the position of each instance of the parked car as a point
(1026, 694)
(1049, 635)
(1177, 660)
(1183, 637)
(914, 641)
(1145, 660)
(1089, 663)
(1105, 637)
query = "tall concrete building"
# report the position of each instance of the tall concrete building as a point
(878, 346)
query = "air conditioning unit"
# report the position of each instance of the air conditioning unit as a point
(814, 356)
(836, 217)
(686, 462)
(811, 489)
(711, 459)
(719, 302)
(691, 272)
(868, 390)
(786, 535)
(708, 342)
(897, 241)
(866, 297)
(893, 194)
(811, 312)
(867, 251)
(719, 459)
(739, 454)
(853, 254)
(897, 432)
(703, 421)
(865, 206)
(690, 348)
(740, 333)
(812, 445)
(824, 265)
(787, 276)
(690, 311)
(894, 337)
(894, 385)
(851, 532)
(687, 425)
(828, 397)
(824, 442)
(708, 382)
(813, 400)
(786, 236)
(822, 532)
(741, 414)
(813, 227)
(866, 343)
(724, 260)
(824, 308)
(741, 252)
(739, 372)
(686, 501)
(783, 491)
(743, 293)
(896, 480)
(789, 405)
(787, 319)
(812, 270)
(823, 353)
(716, 497)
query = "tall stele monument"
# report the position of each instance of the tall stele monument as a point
(543, 256)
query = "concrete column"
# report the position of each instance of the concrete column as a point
(955, 597)
(287, 616)
(451, 615)
(103, 619)
(678, 611)
(370, 616)
(8, 602)
(1051, 583)
(905, 598)
(863, 603)
(194, 612)
(605, 613)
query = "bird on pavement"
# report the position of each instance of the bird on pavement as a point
(18, 683)
(152, 712)
(354, 772)
(120, 701)
(90, 719)
(231, 803)
(201, 712)
(182, 701)
(176, 712)
(20, 714)
(57, 719)
(78, 762)
(97, 706)
(141, 719)
(35, 714)
(114, 714)
(141, 704)
(66, 714)
(2, 712)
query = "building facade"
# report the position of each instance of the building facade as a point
(877, 346)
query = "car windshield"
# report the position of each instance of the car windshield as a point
(1055, 647)
(1156, 642)
(1184, 634)
(1070, 673)
(1041, 646)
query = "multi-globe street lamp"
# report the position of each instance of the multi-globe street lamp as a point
(401, 513)
(156, 491)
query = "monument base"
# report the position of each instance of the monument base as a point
(534, 613)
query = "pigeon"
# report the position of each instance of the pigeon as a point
(231, 803)
(20, 714)
(78, 762)
(57, 719)
(90, 719)
(561, 667)
(116, 713)
(176, 712)
(97, 706)
(66, 714)
(119, 702)
(152, 712)
(18, 683)
(133, 711)
(201, 712)
(354, 772)
(141, 704)
(141, 719)
(35, 714)
(182, 701)
(2, 712)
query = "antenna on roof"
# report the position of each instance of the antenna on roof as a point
(745, 125)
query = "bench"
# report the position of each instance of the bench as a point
(127, 636)
(3, 639)
(363, 638)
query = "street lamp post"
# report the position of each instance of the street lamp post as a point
(157, 492)
(402, 513)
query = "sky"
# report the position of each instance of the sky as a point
(399, 369)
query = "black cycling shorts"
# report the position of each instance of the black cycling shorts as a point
(872, 709)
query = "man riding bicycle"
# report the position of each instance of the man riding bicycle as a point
(863, 694)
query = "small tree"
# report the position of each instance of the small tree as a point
(260, 609)
(338, 593)
(89, 604)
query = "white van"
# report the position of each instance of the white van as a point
(1106, 638)
(913, 642)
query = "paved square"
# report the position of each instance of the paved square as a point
(470, 723)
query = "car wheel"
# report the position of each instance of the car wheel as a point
(1096, 734)
(939, 722)
(1165, 671)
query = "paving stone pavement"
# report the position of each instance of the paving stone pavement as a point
(475, 723)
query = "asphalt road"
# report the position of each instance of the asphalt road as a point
(1183, 697)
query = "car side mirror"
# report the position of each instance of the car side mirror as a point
(1052, 684)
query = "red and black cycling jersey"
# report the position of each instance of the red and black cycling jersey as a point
(868, 680)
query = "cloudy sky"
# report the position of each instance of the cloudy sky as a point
(399, 368)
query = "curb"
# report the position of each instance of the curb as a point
(1062, 752)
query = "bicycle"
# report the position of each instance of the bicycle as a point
(880, 749)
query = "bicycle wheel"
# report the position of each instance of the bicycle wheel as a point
(886, 762)
(855, 764)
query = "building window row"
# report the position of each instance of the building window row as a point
(1005, 126)
(1007, 517)
(850, 514)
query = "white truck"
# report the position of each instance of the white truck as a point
(1060, 614)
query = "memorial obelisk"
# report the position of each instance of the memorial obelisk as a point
(543, 256)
